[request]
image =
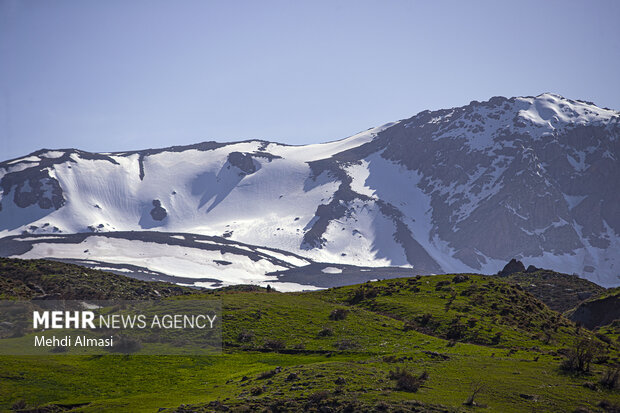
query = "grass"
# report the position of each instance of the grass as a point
(276, 359)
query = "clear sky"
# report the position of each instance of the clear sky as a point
(115, 75)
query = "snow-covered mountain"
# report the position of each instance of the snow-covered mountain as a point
(454, 190)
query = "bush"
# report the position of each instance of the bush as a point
(382, 406)
(256, 391)
(476, 388)
(326, 332)
(425, 319)
(346, 344)
(460, 278)
(275, 344)
(580, 355)
(318, 397)
(407, 381)
(362, 293)
(245, 336)
(408, 326)
(609, 406)
(268, 374)
(338, 314)
(611, 378)
(456, 330)
(357, 296)
(292, 377)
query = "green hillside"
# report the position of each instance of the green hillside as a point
(416, 344)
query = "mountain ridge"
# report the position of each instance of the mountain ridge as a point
(454, 190)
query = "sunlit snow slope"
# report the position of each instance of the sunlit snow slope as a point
(461, 189)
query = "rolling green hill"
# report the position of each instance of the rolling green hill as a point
(410, 344)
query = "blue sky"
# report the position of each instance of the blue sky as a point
(118, 75)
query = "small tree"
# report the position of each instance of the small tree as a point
(580, 355)
(476, 388)
(611, 378)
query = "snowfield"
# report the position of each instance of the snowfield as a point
(456, 190)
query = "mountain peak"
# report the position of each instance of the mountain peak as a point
(454, 190)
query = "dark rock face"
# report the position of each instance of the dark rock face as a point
(512, 267)
(158, 212)
(341, 206)
(531, 268)
(479, 185)
(33, 186)
(518, 192)
(243, 162)
(598, 312)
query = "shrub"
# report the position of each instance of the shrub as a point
(425, 319)
(441, 284)
(611, 378)
(275, 344)
(318, 396)
(340, 381)
(460, 278)
(609, 406)
(245, 336)
(579, 356)
(408, 326)
(256, 391)
(326, 332)
(476, 388)
(456, 330)
(382, 406)
(357, 296)
(362, 293)
(346, 344)
(407, 381)
(338, 314)
(268, 374)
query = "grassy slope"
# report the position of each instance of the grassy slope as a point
(384, 328)
(560, 292)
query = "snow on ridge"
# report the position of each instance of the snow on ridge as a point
(483, 125)
(553, 112)
(313, 152)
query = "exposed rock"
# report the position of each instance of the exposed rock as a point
(460, 278)
(158, 212)
(598, 311)
(512, 267)
(242, 161)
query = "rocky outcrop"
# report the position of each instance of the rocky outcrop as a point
(158, 212)
(243, 161)
(512, 267)
(463, 189)
(598, 311)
